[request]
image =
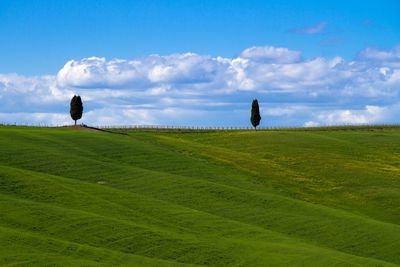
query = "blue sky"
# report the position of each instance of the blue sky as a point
(190, 62)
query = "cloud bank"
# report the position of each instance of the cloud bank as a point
(192, 89)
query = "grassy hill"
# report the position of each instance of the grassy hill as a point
(322, 197)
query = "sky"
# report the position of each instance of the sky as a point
(200, 63)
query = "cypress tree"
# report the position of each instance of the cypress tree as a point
(255, 114)
(76, 108)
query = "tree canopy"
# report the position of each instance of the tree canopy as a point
(255, 114)
(76, 108)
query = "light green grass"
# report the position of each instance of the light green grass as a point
(328, 197)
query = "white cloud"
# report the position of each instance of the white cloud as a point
(271, 54)
(21, 93)
(284, 110)
(191, 89)
(35, 118)
(314, 29)
(97, 72)
(183, 68)
(368, 115)
(380, 55)
(311, 124)
(118, 116)
(257, 69)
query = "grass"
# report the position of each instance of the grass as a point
(294, 197)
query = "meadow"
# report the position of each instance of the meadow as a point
(137, 197)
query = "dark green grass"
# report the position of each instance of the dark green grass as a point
(327, 197)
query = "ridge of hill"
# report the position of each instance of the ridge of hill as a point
(190, 198)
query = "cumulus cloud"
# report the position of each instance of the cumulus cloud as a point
(380, 55)
(196, 89)
(97, 72)
(29, 93)
(94, 72)
(183, 68)
(369, 114)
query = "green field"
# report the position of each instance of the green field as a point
(320, 197)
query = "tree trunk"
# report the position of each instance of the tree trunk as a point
(75, 122)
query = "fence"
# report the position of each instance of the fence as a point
(207, 128)
(174, 127)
